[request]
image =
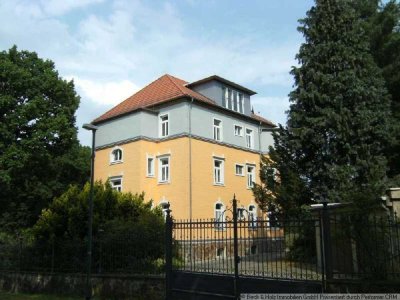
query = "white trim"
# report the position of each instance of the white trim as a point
(234, 129)
(152, 174)
(243, 170)
(221, 174)
(252, 225)
(112, 179)
(160, 125)
(118, 161)
(220, 127)
(242, 104)
(253, 175)
(167, 169)
(251, 138)
(222, 211)
(161, 205)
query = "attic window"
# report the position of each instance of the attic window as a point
(234, 100)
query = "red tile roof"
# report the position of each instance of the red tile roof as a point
(163, 89)
(263, 120)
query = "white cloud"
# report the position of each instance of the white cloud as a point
(60, 7)
(131, 43)
(106, 94)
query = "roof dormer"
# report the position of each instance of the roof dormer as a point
(225, 93)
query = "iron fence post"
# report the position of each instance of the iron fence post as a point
(327, 243)
(168, 254)
(235, 248)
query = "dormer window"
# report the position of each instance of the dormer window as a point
(234, 100)
(116, 156)
(228, 98)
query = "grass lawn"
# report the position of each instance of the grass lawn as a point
(12, 296)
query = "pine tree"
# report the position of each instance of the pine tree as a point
(339, 121)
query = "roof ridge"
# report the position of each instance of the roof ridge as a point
(174, 83)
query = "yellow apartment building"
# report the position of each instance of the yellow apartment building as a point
(193, 145)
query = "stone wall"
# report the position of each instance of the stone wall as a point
(104, 286)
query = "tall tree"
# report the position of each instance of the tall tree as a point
(38, 136)
(383, 26)
(339, 122)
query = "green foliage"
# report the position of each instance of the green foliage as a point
(281, 190)
(39, 152)
(114, 212)
(383, 26)
(339, 122)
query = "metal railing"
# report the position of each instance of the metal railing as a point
(323, 245)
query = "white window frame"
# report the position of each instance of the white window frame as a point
(112, 156)
(160, 169)
(252, 216)
(162, 205)
(152, 171)
(237, 102)
(250, 184)
(112, 181)
(228, 98)
(161, 125)
(219, 216)
(250, 141)
(241, 213)
(234, 129)
(239, 174)
(221, 171)
(217, 128)
(241, 103)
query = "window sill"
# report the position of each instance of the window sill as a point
(163, 182)
(219, 184)
(239, 175)
(150, 176)
(116, 162)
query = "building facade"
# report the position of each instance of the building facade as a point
(193, 145)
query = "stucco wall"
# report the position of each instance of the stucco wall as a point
(177, 191)
(202, 125)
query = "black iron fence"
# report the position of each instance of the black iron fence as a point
(111, 254)
(321, 245)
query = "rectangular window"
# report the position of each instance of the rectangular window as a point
(241, 103)
(229, 99)
(249, 138)
(238, 130)
(240, 214)
(251, 178)
(163, 169)
(218, 171)
(239, 170)
(235, 99)
(116, 183)
(150, 166)
(217, 130)
(164, 125)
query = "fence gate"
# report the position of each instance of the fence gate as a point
(225, 257)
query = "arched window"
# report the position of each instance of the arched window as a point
(219, 215)
(252, 217)
(116, 155)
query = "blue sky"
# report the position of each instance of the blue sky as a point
(113, 48)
